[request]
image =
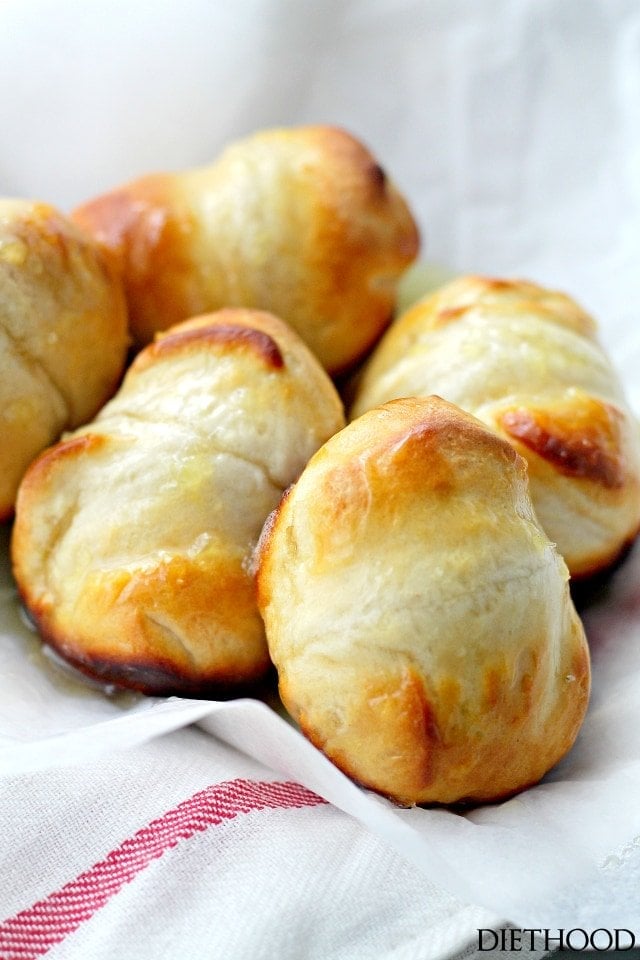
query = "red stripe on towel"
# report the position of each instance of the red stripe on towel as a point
(33, 931)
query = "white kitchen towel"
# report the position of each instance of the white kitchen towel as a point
(183, 847)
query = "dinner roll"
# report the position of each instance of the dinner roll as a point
(63, 334)
(419, 619)
(302, 222)
(527, 362)
(133, 537)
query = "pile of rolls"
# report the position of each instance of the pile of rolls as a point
(191, 506)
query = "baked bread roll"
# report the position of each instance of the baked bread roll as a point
(133, 536)
(419, 619)
(63, 334)
(302, 222)
(527, 362)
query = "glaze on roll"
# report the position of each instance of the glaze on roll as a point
(133, 536)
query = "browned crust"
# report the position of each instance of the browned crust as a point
(123, 642)
(406, 756)
(144, 231)
(450, 314)
(583, 441)
(378, 176)
(417, 441)
(151, 675)
(225, 334)
(338, 370)
(109, 218)
(115, 220)
(394, 710)
(364, 237)
(343, 147)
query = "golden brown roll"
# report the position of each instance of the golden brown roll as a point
(419, 618)
(63, 334)
(302, 222)
(527, 362)
(133, 536)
